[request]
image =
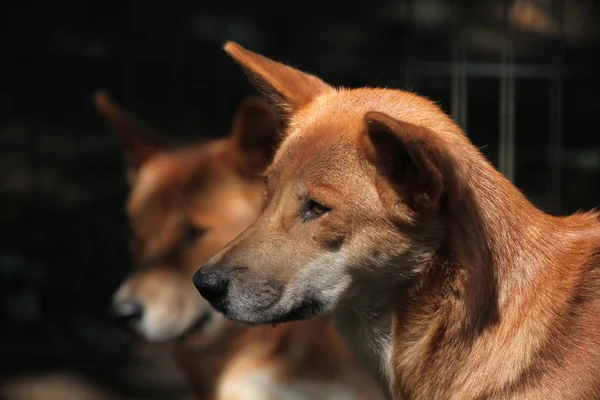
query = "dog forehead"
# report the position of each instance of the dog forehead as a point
(331, 118)
(323, 149)
(324, 132)
(168, 176)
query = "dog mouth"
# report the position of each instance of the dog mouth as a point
(308, 308)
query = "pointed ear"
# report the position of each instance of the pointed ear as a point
(138, 140)
(255, 135)
(286, 87)
(410, 157)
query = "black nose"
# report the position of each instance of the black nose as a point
(212, 285)
(128, 311)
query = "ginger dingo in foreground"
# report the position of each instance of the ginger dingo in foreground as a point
(446, 281)
(186, 202)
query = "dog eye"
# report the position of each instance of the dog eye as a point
(314, 210)
(191, 234)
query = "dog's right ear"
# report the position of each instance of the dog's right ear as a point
(138, 140)
(255, 135)
(410, 157)
(286, 87)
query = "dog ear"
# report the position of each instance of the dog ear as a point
(255, 134)
(286, 87)
(410, 157)
(138, 140)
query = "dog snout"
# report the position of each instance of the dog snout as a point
(127, 311)
(212, 285)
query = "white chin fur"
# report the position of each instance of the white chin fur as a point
(159, 325)
(327, 277)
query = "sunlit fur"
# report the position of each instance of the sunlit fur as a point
(446, 281)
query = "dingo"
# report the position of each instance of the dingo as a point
(446, 281)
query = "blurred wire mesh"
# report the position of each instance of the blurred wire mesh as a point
(518, 75)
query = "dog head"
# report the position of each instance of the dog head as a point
(185, 203)
(355, 198)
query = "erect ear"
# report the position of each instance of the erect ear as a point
(255, 135)
(286, 87)
(410, 157)
(138, 140)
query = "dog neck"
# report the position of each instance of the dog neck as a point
(482, 296)
(367, 328)
(497, 239)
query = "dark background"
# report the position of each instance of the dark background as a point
(519, 76)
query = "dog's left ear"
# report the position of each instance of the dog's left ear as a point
(409, 156)
(255, 134)
(288, 88)
(138, 139)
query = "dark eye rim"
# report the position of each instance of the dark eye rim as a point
(314, 209)
(192, 233)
